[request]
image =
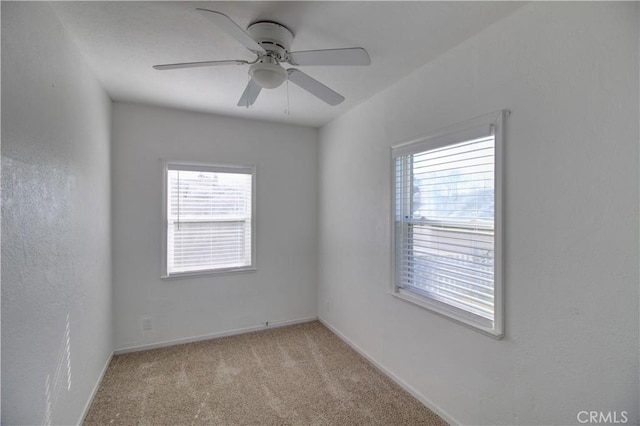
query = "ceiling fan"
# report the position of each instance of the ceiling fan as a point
(270, 42)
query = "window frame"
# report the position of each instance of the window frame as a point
(450, 135)
(206, 167)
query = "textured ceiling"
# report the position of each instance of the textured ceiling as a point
(122, 40)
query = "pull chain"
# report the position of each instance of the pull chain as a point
(287, 110)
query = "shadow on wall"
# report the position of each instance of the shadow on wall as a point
(54, 386)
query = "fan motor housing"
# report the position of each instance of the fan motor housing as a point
(273, 37)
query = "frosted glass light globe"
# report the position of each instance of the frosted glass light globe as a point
(268, 76)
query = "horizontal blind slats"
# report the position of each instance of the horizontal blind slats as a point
(437, 247)
(209, 218)
(478, 279)
(473, 306)
(444, 206)
(473, 301)
(475, 269)
(446, 281)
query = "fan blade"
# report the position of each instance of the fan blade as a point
(314, 87)
(199, 64)
(350, 56)
(231, 28)
(250, 94)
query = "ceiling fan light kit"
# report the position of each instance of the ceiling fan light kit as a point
(268, 75)
(270, 42)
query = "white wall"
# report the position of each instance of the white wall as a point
(569, 74)
(284, 286)
(56, 264)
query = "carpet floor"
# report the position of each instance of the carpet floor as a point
(296, 375)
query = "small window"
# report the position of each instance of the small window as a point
(447, 209)
(209, 219)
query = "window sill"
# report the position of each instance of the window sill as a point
(196, 274)
(448, 312)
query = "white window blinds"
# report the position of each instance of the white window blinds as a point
(209, 218)
(445, 222)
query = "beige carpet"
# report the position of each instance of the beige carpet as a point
(297, 375)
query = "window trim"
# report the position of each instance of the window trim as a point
(446, 136)
(206, 167)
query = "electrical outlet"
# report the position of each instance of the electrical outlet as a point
(147, 323)
(327, 305)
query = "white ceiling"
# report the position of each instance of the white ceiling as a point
(122, 40)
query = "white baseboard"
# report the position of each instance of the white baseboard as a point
(95, 389)
(165, 343)
(404, 385)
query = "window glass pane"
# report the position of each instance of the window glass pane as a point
(208, 195)
(208, 245)
(208, 220)
(445, 234)
(452, 266)
(455, 183)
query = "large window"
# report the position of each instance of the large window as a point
(209, 219)
(447, 237)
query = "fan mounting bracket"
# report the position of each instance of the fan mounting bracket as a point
(275, 38)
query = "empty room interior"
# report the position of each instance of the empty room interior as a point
(320, 213)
